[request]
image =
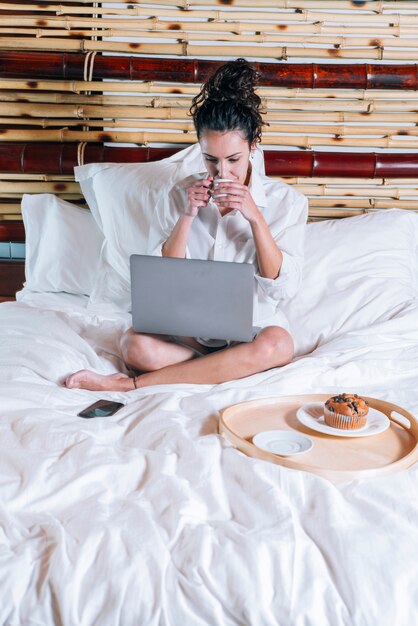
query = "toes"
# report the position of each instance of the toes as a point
(84, 379)
(70, 383)
(74, 380)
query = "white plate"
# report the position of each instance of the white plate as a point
(283, 442)
(312, 416)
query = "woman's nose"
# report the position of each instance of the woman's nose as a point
(223, 171)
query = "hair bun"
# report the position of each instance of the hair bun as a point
(235, 80)
(228, 101)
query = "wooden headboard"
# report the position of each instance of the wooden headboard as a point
(84, 82)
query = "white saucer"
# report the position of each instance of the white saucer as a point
(283, 442)
(312, 416)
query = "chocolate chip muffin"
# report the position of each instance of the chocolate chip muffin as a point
(347, 411)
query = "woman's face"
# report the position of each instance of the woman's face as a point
(226, 154)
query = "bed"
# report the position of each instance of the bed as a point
(151, 517)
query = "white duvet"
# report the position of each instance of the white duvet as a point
(149, 517)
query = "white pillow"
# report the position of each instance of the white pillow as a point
(122, 198)
(63, 245)
(357, 271)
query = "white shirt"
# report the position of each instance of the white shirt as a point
(229, 238)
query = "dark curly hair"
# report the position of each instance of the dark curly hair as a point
(227, 101)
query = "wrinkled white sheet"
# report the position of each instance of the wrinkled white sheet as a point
(150, 518)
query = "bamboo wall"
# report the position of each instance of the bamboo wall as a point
(84, 81)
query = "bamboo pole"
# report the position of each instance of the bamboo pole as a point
(341, 94)
(319, 215)
(369, 6)
(356, 15)
(107, 123)
(339, 46)
(105, 113)
(218, 31)
(364, 202)
(185, 49)
(176, 101)
(272, 93)
(340, 131)
(376, 7)
(41, 177)
(109, 114)
(146, 87)
(79, 86)
(361, 192)
(283, 129)
(13, 208)
(281, 17)
(230, 23)
(57, 98)
(77, 111)
(334, 181)
(63, 135)
(68, 187)
(70, 197)
(334, 46)
(9, 209)
(5, 217)
(144, 138)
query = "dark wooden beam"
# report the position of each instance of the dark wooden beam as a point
(60, 158)
(12, 277)
(62, 65)
(12, 231)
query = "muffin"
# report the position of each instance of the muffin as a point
(347, 411)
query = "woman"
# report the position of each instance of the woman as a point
(246, 218)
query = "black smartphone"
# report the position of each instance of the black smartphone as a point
(101, 408)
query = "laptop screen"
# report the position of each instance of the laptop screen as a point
(192, 298)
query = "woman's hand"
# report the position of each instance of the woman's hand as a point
(235, 196)
(198, 195)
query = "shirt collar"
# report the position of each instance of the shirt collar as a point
(256, 188)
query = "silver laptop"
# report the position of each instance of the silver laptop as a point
(192, 298)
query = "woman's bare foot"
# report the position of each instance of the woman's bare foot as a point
(84, 379)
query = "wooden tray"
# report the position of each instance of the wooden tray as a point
(337, 458)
